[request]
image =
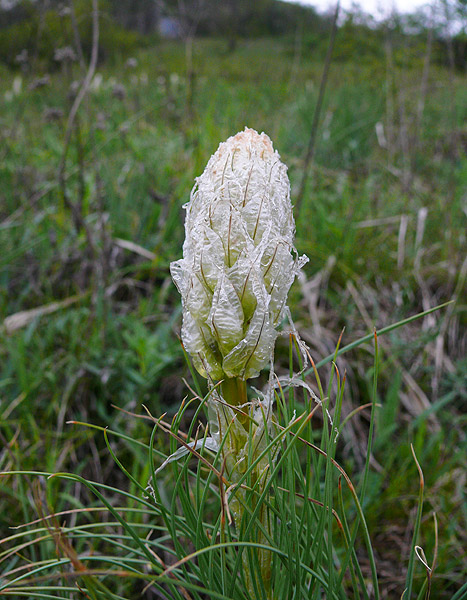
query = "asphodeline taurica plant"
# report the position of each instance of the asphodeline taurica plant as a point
(238, 264)
(239, 259)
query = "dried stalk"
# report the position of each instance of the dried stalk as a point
(76, 214)
(314, 127)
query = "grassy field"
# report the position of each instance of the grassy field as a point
(382, 220)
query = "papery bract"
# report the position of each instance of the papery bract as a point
(239, 260)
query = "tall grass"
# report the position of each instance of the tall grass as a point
(171, 533)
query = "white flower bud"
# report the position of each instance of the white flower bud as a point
(239, 260)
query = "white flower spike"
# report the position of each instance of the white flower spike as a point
(239, 259)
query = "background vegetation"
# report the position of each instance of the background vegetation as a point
(90, 218)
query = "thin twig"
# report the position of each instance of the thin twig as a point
(76, 36)
(74, 109)
(319, 103)
(424, 83)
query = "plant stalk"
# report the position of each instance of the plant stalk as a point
(258, 581)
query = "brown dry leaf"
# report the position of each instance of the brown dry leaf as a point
(21, 319)
(137, 249)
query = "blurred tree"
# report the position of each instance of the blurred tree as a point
(15, 12)
(38, 28)
(32, 29)
(241, 18)
(141, 15)
(187, 13)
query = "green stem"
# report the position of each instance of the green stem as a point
(234, 393)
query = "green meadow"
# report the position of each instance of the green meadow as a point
(90, 318)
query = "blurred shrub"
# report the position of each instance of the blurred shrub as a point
(17, 38)
(357, 40)
(454, 50)
(246, 19)
(35, 35)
